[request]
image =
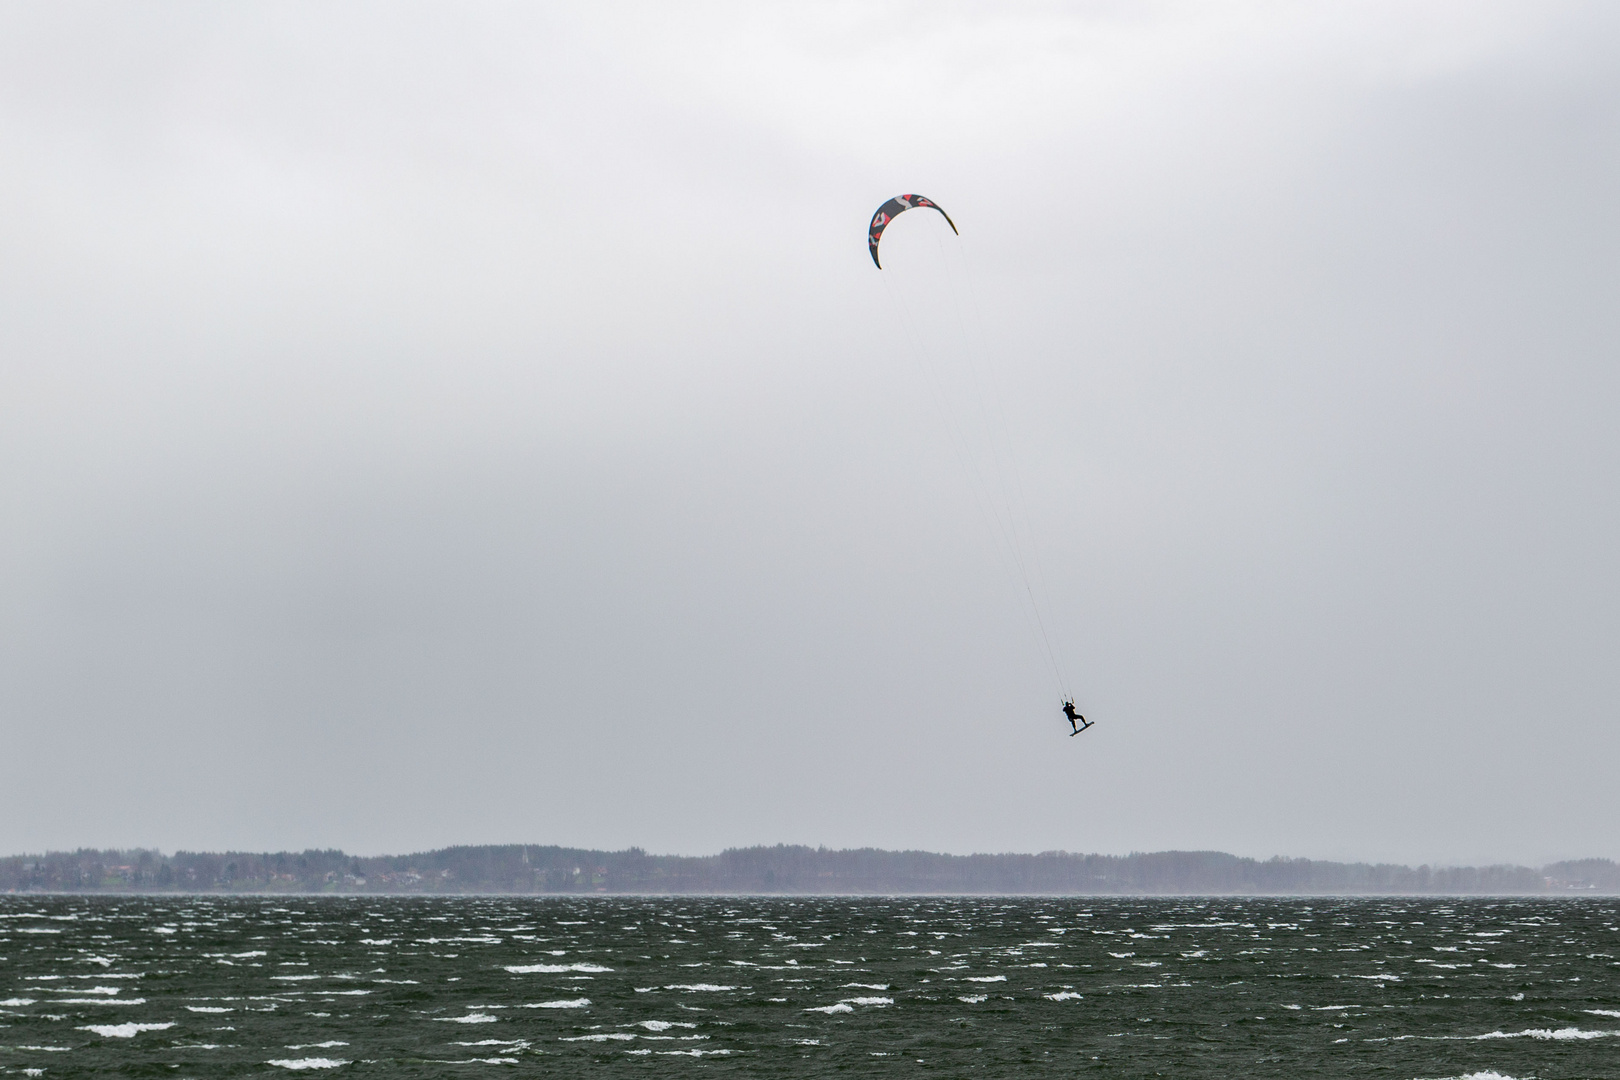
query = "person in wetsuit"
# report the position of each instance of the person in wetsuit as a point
(1076, 721)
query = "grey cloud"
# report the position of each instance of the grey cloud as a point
(425, 425)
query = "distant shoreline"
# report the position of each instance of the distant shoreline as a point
(782, 870)
(470, 894)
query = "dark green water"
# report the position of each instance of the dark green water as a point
(232, 986)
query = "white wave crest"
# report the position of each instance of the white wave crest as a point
(1567, 1034)
(124, 1031)
(552, 969)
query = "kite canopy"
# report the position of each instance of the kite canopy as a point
(893, 209)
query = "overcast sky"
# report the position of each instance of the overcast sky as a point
(470, 423)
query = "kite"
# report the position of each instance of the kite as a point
(893, 209)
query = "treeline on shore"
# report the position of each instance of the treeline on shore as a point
(531, 869)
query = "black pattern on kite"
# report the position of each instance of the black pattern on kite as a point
(892, 209)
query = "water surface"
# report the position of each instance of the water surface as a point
(194, 986)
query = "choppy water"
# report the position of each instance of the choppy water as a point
(233, 986)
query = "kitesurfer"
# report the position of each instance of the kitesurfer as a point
(1076, 721)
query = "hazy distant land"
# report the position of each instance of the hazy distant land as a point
(533, 869)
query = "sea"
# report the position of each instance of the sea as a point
(236, 986)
